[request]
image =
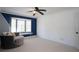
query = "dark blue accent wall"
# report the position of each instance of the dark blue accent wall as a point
(34, 21)
(7, 17)
(34, 26)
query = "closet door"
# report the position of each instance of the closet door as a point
(76, 26)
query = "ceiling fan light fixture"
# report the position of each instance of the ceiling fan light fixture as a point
(34, 11)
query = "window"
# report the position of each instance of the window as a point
(13, 25)
(20, 25)
(28, 26)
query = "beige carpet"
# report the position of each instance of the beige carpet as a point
(35, 44)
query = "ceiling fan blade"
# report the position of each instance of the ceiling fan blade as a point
(30, 11)
(41, 13)
(34, 14)
(36, 8)
(42, 10)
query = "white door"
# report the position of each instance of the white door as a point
(76, 26)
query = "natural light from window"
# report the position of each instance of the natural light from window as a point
(20, 25)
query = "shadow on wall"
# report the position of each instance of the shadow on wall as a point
(4, 26)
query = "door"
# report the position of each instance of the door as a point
(76, 26)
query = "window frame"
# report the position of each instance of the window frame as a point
(24, 23)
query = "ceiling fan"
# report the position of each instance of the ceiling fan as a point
(37, 10)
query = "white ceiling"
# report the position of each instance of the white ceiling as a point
(23, 11)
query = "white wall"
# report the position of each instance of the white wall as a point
(60, 27)
(4, 26)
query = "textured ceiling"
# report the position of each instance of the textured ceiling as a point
(24, 10)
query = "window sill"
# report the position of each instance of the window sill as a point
(24, 33)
